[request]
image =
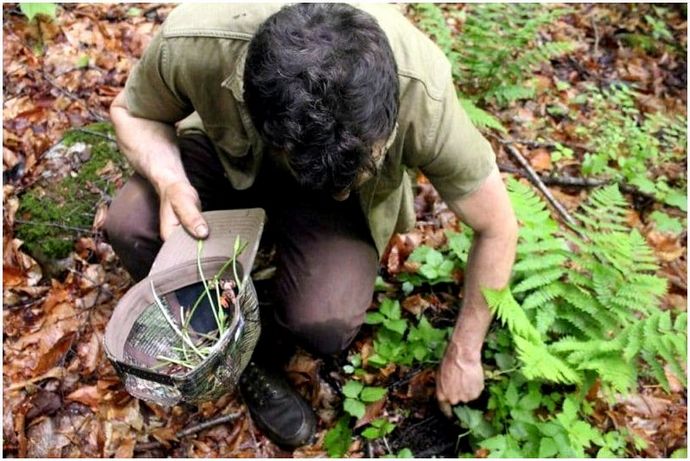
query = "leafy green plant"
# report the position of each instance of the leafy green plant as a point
(357, 396)
(496, 48)
(31, 10)
(339, 438)
(627, 145)
(583, 307)
(401, 343)
(666, 223)
(404, 453)
(579, 312)
(378, 428)
(432, 21)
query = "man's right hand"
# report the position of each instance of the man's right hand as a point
(180, 204)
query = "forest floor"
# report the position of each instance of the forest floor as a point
(62, 397)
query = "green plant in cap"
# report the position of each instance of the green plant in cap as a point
(226, 292)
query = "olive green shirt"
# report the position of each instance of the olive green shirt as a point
(192, 71)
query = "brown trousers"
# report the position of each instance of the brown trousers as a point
(326, 259)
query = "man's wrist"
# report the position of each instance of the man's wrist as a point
(465, 350)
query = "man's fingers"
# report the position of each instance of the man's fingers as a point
(189, 214)
(446, 409)
(168, 221)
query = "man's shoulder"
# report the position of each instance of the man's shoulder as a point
(217, 20)
(418, 58)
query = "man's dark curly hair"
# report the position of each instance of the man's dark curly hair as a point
(321, 85)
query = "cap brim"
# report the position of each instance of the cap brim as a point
(224, 228)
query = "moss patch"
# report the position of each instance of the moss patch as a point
(56, 211)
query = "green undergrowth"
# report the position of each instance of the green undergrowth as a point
(582, 312)
(53, 213)
(632, 146)
(495, 50)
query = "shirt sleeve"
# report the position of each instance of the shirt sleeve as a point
(454, 155)
(150, 89)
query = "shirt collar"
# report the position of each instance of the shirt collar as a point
(235, 83)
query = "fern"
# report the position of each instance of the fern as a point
(509, 311)
(538, 363)
(481, 118)
(593, 308)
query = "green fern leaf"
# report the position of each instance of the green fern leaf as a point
(504, 306)
(481, 118)
(539, 279)
(612, 370)
(634, 340)
(538, 363)
(544, 295)
(547, 261)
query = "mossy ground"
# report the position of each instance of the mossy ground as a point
(54, 214)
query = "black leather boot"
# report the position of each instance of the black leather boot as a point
(281, 413)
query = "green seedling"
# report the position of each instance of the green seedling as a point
(202, 347)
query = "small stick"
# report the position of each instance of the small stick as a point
(191, 430)
(536, 180)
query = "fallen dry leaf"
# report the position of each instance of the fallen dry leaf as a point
(540, 159)
(88, 395)
(666, 246)
(415, 304)
(45, 440)
(52, 356)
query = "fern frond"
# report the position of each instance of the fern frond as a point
(583, 324)
(613, 370)
(544, 295)
(545, 317)
(481, 118)
(538, 363)
(633, 341)
(540, 263)
(503, 305)
(656, 369)
(535, 248)
(539, 279)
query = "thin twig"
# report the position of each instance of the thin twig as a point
(99, 285)
(72, 96)
(408, 377)
(95, 133)
(536, 144)
(50, 224)
(388, 448)
(596, 37)
(206, 424)
(191, 430)
(536, 180)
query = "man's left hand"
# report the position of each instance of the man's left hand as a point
(460, 377)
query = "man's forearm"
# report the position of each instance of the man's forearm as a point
(489, 265)
(150, 146)
(489, 213)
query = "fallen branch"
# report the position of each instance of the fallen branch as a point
(573, 181)
(539, 184)
(191, 430)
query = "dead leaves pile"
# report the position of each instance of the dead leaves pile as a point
(61, 395)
